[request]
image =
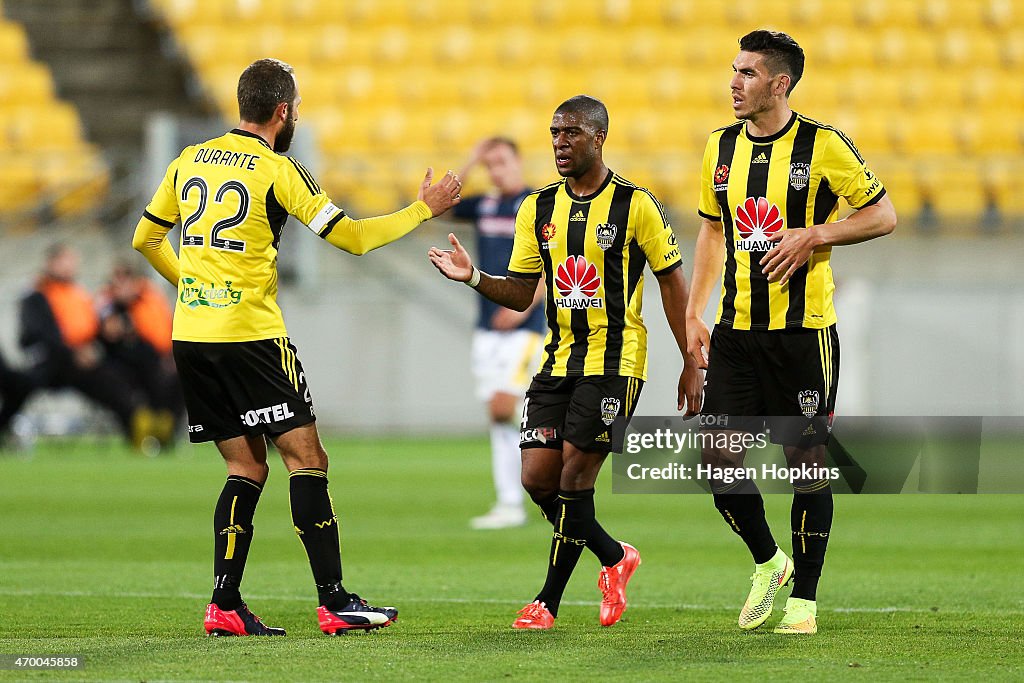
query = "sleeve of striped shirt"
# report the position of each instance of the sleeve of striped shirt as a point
(707, 205)
(655, 236)
(525, 260)
(847, 174)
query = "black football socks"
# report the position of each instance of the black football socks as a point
(742, 507)
(232, 536)
(575, 527)
(811, 521)
(317, 527)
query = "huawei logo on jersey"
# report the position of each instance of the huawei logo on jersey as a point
(577, 281)
(756, 221)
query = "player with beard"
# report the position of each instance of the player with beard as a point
(240, 375)
(590, 235)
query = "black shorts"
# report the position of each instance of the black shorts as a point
(242, 388)
(591, 413)
(789, 377)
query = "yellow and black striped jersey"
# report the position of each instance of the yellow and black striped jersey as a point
(233, 195)
(758, 186)
(592, 251)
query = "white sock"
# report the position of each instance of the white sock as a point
(506, 464)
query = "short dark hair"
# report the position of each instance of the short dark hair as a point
(263, 85)
(591, 108)
(502, 140)
(781, 52)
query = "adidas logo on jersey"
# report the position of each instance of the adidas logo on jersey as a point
(760, 159)
(578, 216)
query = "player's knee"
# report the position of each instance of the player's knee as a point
(540, 491)
(721, 458)
(813, 456)
(311, 458)
(580, 468)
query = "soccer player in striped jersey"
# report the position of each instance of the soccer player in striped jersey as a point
(241, 377)
(591, 235)
(770, 185)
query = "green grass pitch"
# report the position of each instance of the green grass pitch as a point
(107, 555)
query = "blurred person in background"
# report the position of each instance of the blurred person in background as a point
(135, 331)
(240, 373)
(59, 330)
(15, 388)
(770, 187)
(506, 343)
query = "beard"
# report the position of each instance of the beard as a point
(283, 141)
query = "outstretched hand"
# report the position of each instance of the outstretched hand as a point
(454, 264)
(442, 195)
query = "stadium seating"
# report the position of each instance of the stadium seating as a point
(925, 87)
(47, 162)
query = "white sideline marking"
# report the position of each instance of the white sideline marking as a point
(465, 601)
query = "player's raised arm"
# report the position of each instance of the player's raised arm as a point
(363, 235)
(511, 292)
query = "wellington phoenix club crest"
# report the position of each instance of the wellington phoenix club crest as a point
(606, 235)
(808, 400)
(577, 281)
(609, 410)
(756, 221)
(799, 175)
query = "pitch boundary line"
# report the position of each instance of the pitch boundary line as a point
(463, 601)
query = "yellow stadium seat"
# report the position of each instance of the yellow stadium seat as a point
(28, 84)
(1003, 14)
(51, 127)
(901, 14)
(708, 46)
(998, 180)
(13, 43)
(1013, 49)
(937, 14)
(835, 46)
(991, 90)
(872, 89)
(514, 48)
(637, 12)
(76, 182)
(962, 47)
(208, 49)
(925, 134)
(817, 13)
(901, 48)
(20, 184)
(956, 191)
(179, 12)
(872, 134)
(902, 185)
(989, 132)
